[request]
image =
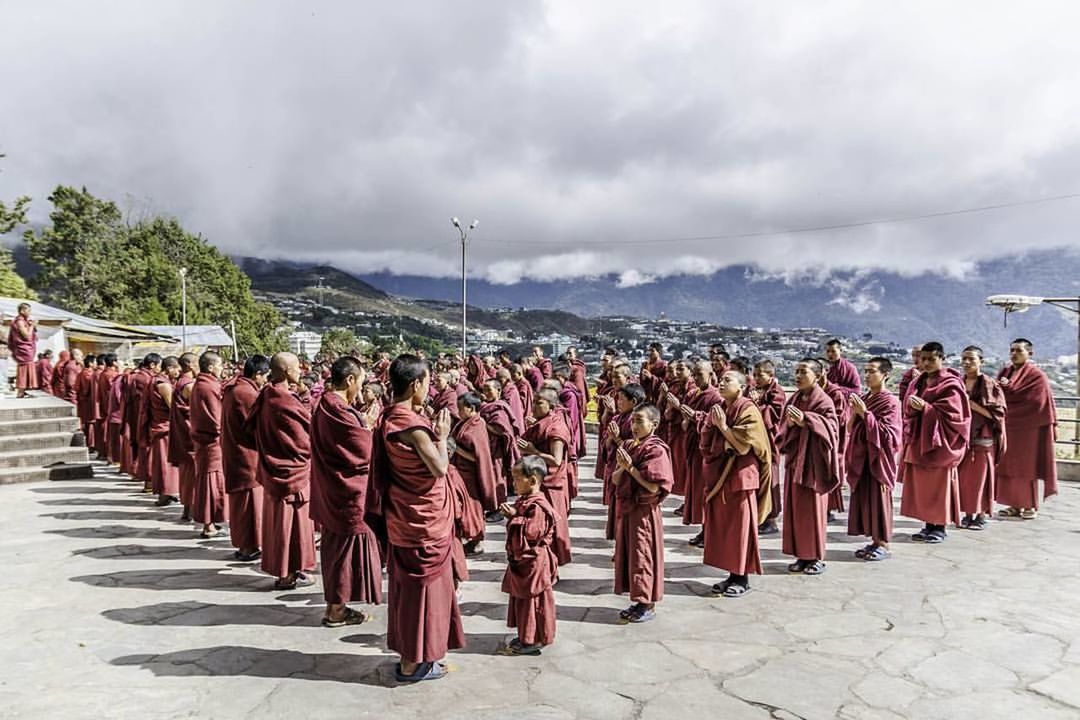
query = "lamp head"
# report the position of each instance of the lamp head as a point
(474, 224)
(455, 222)
(1013, 303)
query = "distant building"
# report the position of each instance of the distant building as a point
(305, 342)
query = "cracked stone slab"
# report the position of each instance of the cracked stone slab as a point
(957, 672)
(810, 686)
(1063, 686)
(700, 698)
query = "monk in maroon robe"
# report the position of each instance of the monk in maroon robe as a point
(208, 504)
(1030, 425)
(736, 468)
(120, 444)
(86, 399)
(617, 430)
(281, 424)
(100, 445)
(653, 373)
(875, 430)
(340, 469)
(22, 342)
(911, 374)
(542, 363)
(473, 455)
(69, 378)
(770, 399)
(136, 388)
(532, 568)
(842, 372)
(503, 435)
(986, 445)
(578, 379)
(696, 412)
(104, 391)
(935, 441)
(181, 449)
(524, 388)
(642, 480)
(240, 458)
(154, 431)
(839, 396)
(809, 443)
(45, 372)
(570, 401)
(509, 394)
(414, 500)
(57, 387)
(679, 391)
(444, 397)
(549, 439)
(605, 411)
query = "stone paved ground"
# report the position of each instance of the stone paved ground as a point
(113, 609)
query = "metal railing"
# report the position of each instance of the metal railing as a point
(1070, 403)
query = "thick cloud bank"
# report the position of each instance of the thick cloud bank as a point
(585, 136)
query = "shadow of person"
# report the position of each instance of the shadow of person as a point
(240, 660)
(96, 502)
(99, 532)
(108, 515)
(563, 613)
(190, 613)
(157, 552)
(83, 490)
(182, 579)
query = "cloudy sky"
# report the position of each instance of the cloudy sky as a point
(588, 138)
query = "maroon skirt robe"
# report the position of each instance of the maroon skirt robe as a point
(1029, 424)
(208, 504)
(871, 464)
(240, 459)
(531, 571)
(639, 531)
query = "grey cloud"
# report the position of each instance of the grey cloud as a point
(351, 132)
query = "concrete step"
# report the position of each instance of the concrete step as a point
(43, 457)
(75, 471)
(39, 426)
(13, 412)
(38, 441)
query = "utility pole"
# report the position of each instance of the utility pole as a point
(464, 232)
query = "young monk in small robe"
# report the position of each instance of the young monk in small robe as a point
(809, 443)
(874, 432)
(736, 470)
(642, 480)
(987, 443)
(532, 568)
(839, 395)
(770, 398)
(549, 439)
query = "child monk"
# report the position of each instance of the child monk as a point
(642, 480)
(532, 568)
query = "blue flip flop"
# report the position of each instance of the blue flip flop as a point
(424, 671)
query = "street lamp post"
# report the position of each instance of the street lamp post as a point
(183, 308)
(464, 232)
(1023, 303)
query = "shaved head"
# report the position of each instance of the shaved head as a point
(284, 366)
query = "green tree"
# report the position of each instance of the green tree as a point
(93, 263)
(339, 341)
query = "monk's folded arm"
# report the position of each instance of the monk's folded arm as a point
(432, 453)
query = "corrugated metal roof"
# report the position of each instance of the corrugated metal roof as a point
(204, 335)
(86, 327)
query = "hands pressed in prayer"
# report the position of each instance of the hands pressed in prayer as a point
(507, 510)
(623, 459)
(857, 405)
(718, 417)
(613, 429)
(687, 411)
(673, 401)
(442, 423)
(527, 447)
(917, 403)
(796, 416)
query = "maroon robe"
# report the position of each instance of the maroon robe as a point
(24, 353)
(103, 387)
(935, 441)
(208, 498)
(731, 515)
(677, 436)
(694, 501)
(181, 449)
(871, 459)
(611, 444)
(771, 400)
(503, 437)
(423, 620)
(986, 447)
(639, 534)
(652, 384)
(542, 434)
(240, 460)
(86, 403)
(839, 397)
(535, 377)
(544, 366)
(1029, 425)
(844, 375)
(480, 476)
(468, 522)
(526, 392)
(811, 472)
(120, 444)
(512, 398)
(340, 470)
(577, 379)
(45, 375)
(281, 423)
(532, 570)
(164, 477)
(446, 399)
(137, 383)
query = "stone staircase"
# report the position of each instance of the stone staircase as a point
(40, 439)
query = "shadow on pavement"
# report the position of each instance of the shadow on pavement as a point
(199, 614)
(123, 531)
(186, 579)
(158, 552)
(239, 660)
